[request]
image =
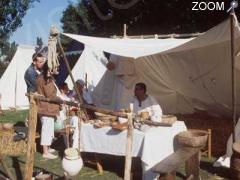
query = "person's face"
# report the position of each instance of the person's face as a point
(80, 87)
(65, 89)
(39, 62)
(139, 92)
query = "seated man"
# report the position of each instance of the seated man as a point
(142, 102)
(86, 97)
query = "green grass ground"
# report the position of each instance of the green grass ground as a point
(113, 165)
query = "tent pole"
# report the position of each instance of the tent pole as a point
(70, 73)
(233, 75)
(124, 31)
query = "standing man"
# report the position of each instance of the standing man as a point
(30, 76)
(33, 71)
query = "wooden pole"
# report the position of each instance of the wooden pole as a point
(86, 106)
(86, 83)
(71, 76)
(79, 128)
(6, 169)
(31, 148)
(128, 157)
(233, 75)
(124, 31)
(161, 36)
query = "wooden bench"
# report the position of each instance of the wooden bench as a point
(167, 167)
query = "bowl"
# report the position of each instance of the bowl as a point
(192, 138)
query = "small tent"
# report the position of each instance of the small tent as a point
(12, 84)
(183, 74)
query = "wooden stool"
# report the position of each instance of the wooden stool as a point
(167, 167)
(208, 149)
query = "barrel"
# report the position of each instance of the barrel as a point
(235, 162)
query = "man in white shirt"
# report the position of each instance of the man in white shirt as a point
(142, 102)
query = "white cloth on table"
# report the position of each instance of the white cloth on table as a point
(150, 105)
(47, 132)
(151, 146)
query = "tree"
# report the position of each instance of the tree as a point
(106, 17)
(11, 14)
(39, 44)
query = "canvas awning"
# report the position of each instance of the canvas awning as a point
(133, 48)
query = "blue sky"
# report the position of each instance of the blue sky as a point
(37, 21)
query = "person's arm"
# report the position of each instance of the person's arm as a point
(156, 110)
(30, 79)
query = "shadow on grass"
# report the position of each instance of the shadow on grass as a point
(219, 171)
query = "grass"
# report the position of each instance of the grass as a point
(113, 165)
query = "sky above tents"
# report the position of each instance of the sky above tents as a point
(38, 20)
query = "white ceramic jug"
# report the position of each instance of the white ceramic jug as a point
(72, 162)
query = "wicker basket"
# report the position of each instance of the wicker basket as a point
(192, 138)
(9, 147)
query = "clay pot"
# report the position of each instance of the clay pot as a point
(72, 162)
(192, 138)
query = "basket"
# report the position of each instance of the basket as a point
(105, 117)
(169, 119)
(9, 147)
(192, 138)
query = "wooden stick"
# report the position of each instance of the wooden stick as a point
(79, 128)
(233, 75)
(86, 82)
(124, 31)
(86, 106)
(31, 138)
(161, 36)
(6, 169)
(209, 143)
(70, 73)
(128, 157)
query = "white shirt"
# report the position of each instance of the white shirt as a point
(150, 105)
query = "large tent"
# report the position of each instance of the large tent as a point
(183, 74)
(91, 63)
(12, 84)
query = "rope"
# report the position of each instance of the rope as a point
(53, 62)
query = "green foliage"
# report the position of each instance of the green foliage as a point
(11, 14)
(144, 17)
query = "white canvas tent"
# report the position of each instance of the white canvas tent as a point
(12, 84)
(92, 63)
(183, 74)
